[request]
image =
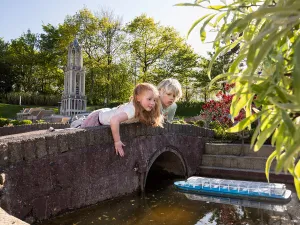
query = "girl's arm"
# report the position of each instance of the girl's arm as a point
(115, 129)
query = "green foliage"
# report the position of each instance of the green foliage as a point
(25, 122)
(268, 38)
(15, 122)
(3, 122)
(8, 122)
(220, 65)
(188, 109)
(115, 56)
(199, 123)
(41, 121)
(181, 121)
(28, 98)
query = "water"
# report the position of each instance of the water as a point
(165, 205)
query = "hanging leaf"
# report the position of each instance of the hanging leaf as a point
(269, 163)
(296, 72)
(265, 134)
(216, 7)
(245, 122)
(196, 23)
(297, 170)
(202, 29)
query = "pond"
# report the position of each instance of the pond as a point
(163, 204)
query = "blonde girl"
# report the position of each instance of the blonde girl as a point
(143, 107)
(169, 93)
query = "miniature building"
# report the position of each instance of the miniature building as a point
(73, 98)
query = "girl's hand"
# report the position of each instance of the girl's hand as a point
(119, 148)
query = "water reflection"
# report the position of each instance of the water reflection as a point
(239, 202)
(168, 206)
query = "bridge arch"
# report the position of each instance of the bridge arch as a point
(168, 159)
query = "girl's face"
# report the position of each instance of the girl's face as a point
(167, 98)
(147, 100)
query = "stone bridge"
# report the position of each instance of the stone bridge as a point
(47, 173)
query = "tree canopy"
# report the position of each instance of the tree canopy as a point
(116, 56)
(267, 35)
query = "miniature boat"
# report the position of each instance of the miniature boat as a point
(236, 188)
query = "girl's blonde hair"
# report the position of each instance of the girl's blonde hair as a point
(171, 85)
(153, 117)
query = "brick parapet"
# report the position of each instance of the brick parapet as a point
(27, 148)
(31, 127)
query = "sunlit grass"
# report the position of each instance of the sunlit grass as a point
(10, 111)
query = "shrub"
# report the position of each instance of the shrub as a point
(41, 121)
(4, 122)
(179, 122)
(188, 109)
(199, 123)
(15, 122)
(25, 122)
(31, 99)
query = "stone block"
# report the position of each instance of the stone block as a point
(3, 155)
(40, 145)
(99, 136)
(76, 140)
(90, 137)
(141, 130)
(208, 160)
(107, 135)
(15, 152)
(62, 143)
(248, 163)
(233, 162)
(226, 162)
(52, 144)
(29, 149)
(132, 131)
(218, 162)
(259, 164)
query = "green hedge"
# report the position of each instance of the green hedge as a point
(188, 109)
(5, 122)
(30, 99)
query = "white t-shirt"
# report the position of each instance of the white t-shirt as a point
(106, 114)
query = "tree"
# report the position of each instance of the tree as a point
(102, 40)
(220, 65)
(8, 77)
(112, 44)
(24, 53)
(150, 42)
(181, 63)
(267, 32)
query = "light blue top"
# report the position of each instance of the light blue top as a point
(169, 112)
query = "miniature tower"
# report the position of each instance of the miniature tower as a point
(73, 98)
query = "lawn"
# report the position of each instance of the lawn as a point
(10, 111)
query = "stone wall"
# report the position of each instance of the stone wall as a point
(50, 173)
(32, 127)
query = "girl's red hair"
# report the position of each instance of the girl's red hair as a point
(150, 118)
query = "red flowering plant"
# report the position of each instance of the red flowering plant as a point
(216, 113)
(219, 110)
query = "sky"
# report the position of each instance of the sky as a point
(17, 16)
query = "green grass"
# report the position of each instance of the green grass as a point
(10, 111)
